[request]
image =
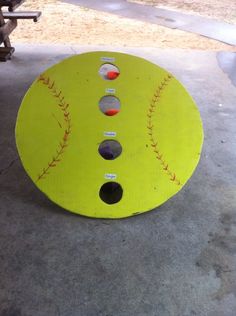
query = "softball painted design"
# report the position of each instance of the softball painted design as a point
(60, 134)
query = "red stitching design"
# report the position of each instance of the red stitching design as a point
(64, 141)
(150, 126)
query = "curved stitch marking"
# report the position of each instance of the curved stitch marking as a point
(56, 93)
(150, 126)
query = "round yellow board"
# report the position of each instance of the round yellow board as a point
(60, 127)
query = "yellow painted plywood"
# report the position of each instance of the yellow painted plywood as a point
(60, 127)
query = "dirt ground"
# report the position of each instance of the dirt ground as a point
(64, 23)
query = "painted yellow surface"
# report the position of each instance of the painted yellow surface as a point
(59, 129)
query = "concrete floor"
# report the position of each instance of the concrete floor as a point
(178, 260)
(207, 27)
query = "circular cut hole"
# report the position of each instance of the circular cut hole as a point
(109, 105)
(111, 192)
(110, 149)
(109, 72)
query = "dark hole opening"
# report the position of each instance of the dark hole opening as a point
(110, 149)
(111, 192)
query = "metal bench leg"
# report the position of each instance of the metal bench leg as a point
(7, 50)
(7, 42)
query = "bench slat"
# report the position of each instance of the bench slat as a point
(11, 4)
(33, 15)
